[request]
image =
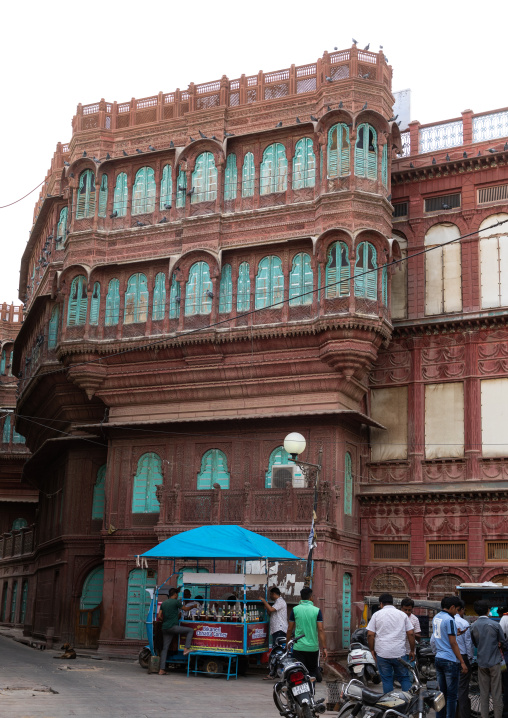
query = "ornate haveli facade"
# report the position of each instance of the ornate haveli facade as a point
(213, 268)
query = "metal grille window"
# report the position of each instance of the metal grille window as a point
(498, 193)
(400, 209)
(390, 550)
(446, 551)
(496, 550)
(443, 202)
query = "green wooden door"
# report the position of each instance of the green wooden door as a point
(346, 610)
(89, 611)
(138, 602)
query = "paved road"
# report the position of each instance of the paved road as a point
(119, 689)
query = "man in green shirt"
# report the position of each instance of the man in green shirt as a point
(307, 620)
(169, 615)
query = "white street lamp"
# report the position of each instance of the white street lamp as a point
(294, 444)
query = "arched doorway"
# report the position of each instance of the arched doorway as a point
(140, 583)
(502, 578)
(444, 584)
(89, 612)
(389, 583)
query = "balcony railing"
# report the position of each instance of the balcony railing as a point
(17, 543)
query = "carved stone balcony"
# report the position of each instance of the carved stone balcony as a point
(16, 544)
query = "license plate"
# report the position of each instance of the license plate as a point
(302, 688)
(357, 669)
(368, 713)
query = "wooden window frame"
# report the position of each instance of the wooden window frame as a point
(446, 543)
(388, 543)
(495, 560)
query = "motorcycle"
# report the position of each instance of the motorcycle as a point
(364, 703)
(424, 660)
(293, 694)
(360, 661)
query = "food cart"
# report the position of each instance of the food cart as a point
(230, 625)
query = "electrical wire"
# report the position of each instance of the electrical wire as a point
(24, 196)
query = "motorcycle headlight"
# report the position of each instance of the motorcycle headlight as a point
(439, 702)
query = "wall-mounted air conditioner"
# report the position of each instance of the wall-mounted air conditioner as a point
(283, 474)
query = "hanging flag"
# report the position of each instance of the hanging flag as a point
(311, 535)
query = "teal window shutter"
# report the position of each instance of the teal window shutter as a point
(166, 188)
(113, 303)
(3, 362)
(304, 164)
(53, 327)
(138, 603)
(384, 284)
(338, 151)
(198, 291)
(348, 485)
(61, 230)
(366, 152)
(103, 196)
(17, 438)
(338, 271)
(274, 170)
(278, 457)
(18, 524)
(204, 179)
(91, 595)
(269, 283)
(148, 477)
(300, 280)
(230, 177)
(181, 188)
(243, 293)
(214, 470)
(120, 195)
(95, 304)
(346, 611)
(78, 302)
(6, 434)
(159, 297)
(174, 299)
(14, 600)
(143, 192)
(9, 365)
(365, 277)
(136, 299)
(384, 165)
(99, 494)
(24, 596)
(85, 203)
(248, 175)
(226, 290)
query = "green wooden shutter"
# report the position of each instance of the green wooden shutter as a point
(18, 524)
(279, 456)
(53, 327)
(198, 290)
(344, 149)
(299, 166)
(262, 298)
(148, 477)
(85, 204)
(10, 363)
(103, 196)
(136, 299)
(95, 304)
(333, 151)
(276, 281)
(166, 188)
(362, 139)
(159, 297)
(345, 270)
(384, 284)
(174, 299)
(91, 595)
(243, 293)
(371, 277)
(281, 169)
(214, 470)
(113, 303)
(138, 603)
(6, 434)
(14, 600)
(348, 485)
(226, 290)
(61, 231)
(120, 195)
(267, 172)
(99, 494)
(78, 302)
(3, 362)
(151, 190)
(384, 165)
(346, 610)
(337, 271)
(181, 188)
(24, 596)
(300, 280)
(230, 178)
(366, 285)
(371, 153)
(360, 265)
(17, 438)
(204, 179)
(143, 192)
(248, 175)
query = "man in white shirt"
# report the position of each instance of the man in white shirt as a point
(387, 632)
(278, 613)
(407, 605)
(465, 645)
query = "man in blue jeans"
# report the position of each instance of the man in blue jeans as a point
(449, 661)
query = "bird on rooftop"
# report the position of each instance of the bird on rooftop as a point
(447, 157)
(492, 149)
(167, 206)
(505, 146)
(355, 42)
(140, 152)
(229, 134)
(84, 153)
(191, 139)
(171, 145)
(367, 46)
(202, 135)
(161, 221)
(328, 79)
(152, 149)
(328, 108)
(364, 77)
(479, 153)
(365, 106)
(125, 153)
(464, 155)
(434, 161)
(341, 105)
(446, 206)
(139, 224)
(389, 198)
(191, 191)
(114, 214)
(213, 137)
(335, 48)
(393, 118)
(314, 119)
(411, 165)
(96, 160)
(380, 47)
(66, 164)
(386, 59)
(108, 156)
(298, 121)
(279, 124)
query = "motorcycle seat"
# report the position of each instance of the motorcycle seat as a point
(370, 697)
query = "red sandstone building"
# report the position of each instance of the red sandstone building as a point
(211, 269)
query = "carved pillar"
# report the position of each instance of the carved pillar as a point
(416, 412)
(472, 409)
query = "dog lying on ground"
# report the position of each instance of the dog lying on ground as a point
(69, 651)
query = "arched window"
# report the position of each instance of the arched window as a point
(103, 196)
(269, 283)
(348, 485)
(61, 230)
(121, 195)
(181, 188)
(166, 188)
(214, 470)
(300, 280)
(443, 270)
(365, 277)
(138, 602)
(53, 327)
(198, 291)
(136, 299)
(230, 177)
(226, 290)
(17, 438)
(159, 297)
(304, 164)
(278, 457)
(143, 192)
(99, 495)
(85, 203)
(384, 165)
(494, 262)
(399, 283)
(204, 179)
(274, 170)
(113, 303)
(6, 434)
(338, 151)
(243, 291)
(338, 271)
(18, 524)
(78, 302)
(366, 152)
(248, 175)
(95, 304)
(174, 299)
(148, 477)
(91, 595)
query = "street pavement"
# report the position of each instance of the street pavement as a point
(34, 684)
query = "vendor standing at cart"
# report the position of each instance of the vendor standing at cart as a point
(278, 613)
(169, 615)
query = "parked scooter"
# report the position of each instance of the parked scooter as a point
(425, 662)
(293, 694)
(360, 661)
(364, 703)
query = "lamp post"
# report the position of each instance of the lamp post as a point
(295, 444)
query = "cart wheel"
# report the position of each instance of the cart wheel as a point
(212, 666)
(144, 657)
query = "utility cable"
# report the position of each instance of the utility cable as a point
(24, 196)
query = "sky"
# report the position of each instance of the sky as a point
(56, 54)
